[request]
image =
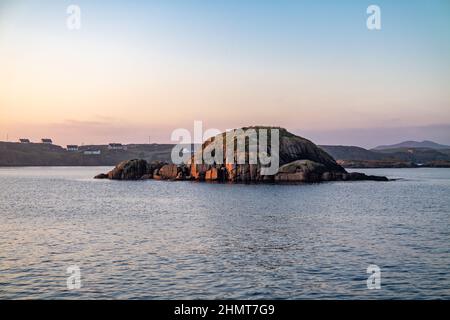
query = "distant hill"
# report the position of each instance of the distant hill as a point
(351, 153)
(356, 157)
(414, 144)
(416, 155)
(37, 154)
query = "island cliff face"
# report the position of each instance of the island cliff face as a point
(300, 160)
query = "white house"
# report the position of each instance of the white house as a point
(92, 152)
(72, 147)
(116, 146)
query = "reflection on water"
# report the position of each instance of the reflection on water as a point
(166, 240)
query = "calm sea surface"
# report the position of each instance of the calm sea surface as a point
(187, 240)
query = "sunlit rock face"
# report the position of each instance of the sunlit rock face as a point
(314, 162)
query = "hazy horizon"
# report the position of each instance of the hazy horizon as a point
(362, 137)
(138, 69)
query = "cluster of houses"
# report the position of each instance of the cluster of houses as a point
(74, 147)
(44, 141)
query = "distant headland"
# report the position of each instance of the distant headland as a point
(45, 153)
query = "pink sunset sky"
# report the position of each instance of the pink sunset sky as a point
(134, 71)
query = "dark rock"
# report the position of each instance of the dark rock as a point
(129, 170)
(357, 176)
(101, 176)
(156, 165)
(328, 176)
(376, 178)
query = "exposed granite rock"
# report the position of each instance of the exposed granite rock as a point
(300, 160)
(301, 171)
(168, 171)
(129, 170)
(156, 165)
(101, 176)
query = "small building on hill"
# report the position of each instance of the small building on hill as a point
(72, 147)
(116, 146)
(92, 152)
(46, 141)
(24, 140)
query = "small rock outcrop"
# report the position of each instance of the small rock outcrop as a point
(299, 160)
(129, 170)
(101, 176)
(301, 170)
(135, 169)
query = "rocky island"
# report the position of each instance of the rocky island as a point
(300, 160)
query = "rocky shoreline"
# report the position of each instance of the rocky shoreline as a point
(299, 159)
(379, 164)
(139, 169)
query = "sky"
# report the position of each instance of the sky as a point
(137, 70)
